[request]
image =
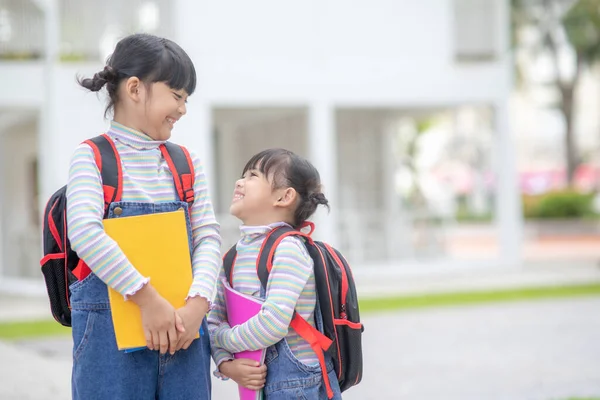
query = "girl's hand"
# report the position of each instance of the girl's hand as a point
(158, 320)
(192, 315)
(247, 373)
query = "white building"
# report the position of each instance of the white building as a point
(328, 79)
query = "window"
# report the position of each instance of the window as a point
(476, 24)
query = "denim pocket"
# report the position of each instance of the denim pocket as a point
(271, 355)
(78, 285)
(288, 394)
(83, 325)
(302, 367)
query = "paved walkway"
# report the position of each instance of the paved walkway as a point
(539, 350)
(377, 280)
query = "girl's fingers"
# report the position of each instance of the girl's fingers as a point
(155, 340)
(255, 385)
(149, 342)
(173, 339)
(164, 342)
(179, 323)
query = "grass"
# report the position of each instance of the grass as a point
(33, 329)
(371, 305)
(583, 398)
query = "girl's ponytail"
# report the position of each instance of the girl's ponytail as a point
(107, 76)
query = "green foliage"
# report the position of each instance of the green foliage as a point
(582, 27)
(557, 205)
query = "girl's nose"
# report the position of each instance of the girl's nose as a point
(238, 184)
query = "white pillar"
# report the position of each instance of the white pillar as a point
(195, 131)
(3, 247)
(322, 146)
(509, 219)
(47, 131)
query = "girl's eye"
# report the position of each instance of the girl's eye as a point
(253, 174)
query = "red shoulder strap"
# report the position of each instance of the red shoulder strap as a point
(264, 263)
(109, 164)
(180, 163)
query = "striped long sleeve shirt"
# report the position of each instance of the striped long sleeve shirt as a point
(146, 178)
(291, 286)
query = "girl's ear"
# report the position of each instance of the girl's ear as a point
(286, 197)
(132, 88)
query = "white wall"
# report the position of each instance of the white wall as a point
(20, 247)
(366, 53)
(77, 115)
(363, 52)
(312, 54)
(21, 84)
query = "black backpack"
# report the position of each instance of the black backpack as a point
(60, 264)
(341, 334)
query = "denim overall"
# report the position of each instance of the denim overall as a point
(289, 378)
(101, 371)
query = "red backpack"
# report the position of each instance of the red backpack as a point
(341, 334)
(60, 264)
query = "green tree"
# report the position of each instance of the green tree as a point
(561, 26)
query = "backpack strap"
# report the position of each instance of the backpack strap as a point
(264, 263)
(109, 164)
(228, 263)
(180, 163)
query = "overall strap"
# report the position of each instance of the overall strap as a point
(180, 163)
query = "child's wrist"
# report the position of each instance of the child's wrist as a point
(223, 366)
(197, 300)
(145, 296)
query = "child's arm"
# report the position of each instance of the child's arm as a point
(206, 257)
(244, 372)
(85, 211)
(217, 319)
(292, 267)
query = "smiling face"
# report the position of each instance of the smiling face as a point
(254, 199)
(150, 108)
(162, 108)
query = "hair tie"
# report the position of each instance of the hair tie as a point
(110, 75)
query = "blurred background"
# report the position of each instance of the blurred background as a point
(458, 140)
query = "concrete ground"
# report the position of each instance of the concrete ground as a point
(538, 350)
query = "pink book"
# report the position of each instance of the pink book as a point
(240, 308)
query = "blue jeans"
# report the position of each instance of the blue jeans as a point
(289, 378)
(101, 371)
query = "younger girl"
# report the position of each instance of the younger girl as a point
(148, 80)
(277, 188)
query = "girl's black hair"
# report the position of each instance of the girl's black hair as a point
(287, 169)
(148, 57)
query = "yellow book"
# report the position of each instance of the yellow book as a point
(157, 246)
